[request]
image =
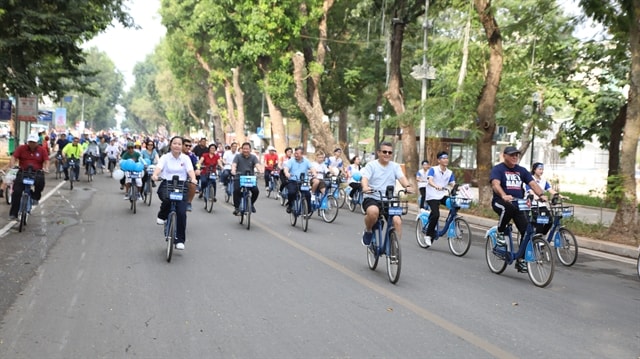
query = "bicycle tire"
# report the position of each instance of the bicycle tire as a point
(567, 252)
(372, 251)
(329, 215)
(23, 211)
(460, 244)
(8, 194)
(276, 188)
(420, 234)
(540, 271)
(208, 198)
(305, 214)
(295, 212)
(227, 193)
(133, 197)
(394, 258)
(496, 264)
(71, 182)
(170, 234)
(148, 193)
(248, 213)
(89, 175)
(283, 199)
(342, 197)
(351, 204)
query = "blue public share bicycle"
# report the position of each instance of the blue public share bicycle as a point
(73, 168)
(228, 191)
(385, 239)
(533, 250)
(455, 227)
(28, 180)
(354, 196)
(301, 207)
(246, 207)
(209, 191)
(325, 203)
(176, 191)
(274, 183)
(147, 192)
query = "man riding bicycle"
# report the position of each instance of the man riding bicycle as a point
(270, 163)
(74, 151)
(377, 176)
(243, 164)
(293, 171)
(36, 156)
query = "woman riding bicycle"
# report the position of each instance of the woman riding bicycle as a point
(174, 163)
(438, 178)
(208, 159)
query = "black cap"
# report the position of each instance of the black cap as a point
(509, 150)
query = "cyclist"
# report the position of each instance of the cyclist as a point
(421, 178)
(227, 160)
(102, 146)
(72, 150)
(319, 168)
(29, 154)
(270, 164)
(131, 154)
(438, 178)
(208, 159)
(288, 154)
(186, 149)
(335, 162)
(93, 150)
(507, 179)
(537, 170)
(244, 163)
(150, 157)
(378, 175)
(113, 152)
(61, 142)
(174, 162)
(354, 169)
(293, 169)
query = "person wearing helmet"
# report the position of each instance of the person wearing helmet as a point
(270, 164)
(354, 176)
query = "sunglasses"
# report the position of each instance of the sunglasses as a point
(386, 152)
(187, 145)
(443, 157)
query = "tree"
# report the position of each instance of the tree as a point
(40, 43)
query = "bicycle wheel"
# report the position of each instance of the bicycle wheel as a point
(283, 197)
(148, 193)
(227, 192)
(420, 234)
(394, 258)
(23, 211)
(329, 214)
(170, 234)
(496, 263)
(208, 197)
(276, 188)
(372, 251)
(133, 197)
(248, 208)
(71, 181)
(460, 244)
(351, 204)
(306, 213)
(568, 250)
(8, 193)
(342, 197)
(89, 174)
(540, 270)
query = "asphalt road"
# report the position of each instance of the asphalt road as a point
(88, 279)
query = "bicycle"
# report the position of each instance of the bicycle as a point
(133, 189)
(390, 247)
(59, 166)
(325, 203)
(73, 165)
(209, 190)
(455, 227)
(176, 191)
(561, 237)
(283, 195)
(354, 200)
(338, 193)
(533, 249)
(300, 207)
(147, 192)
(274, 184)
(246, 207)
(89, 167)
(111, 164)
(28, 180)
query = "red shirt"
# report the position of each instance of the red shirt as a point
(26, 157)
(270, 161)
(208, 160)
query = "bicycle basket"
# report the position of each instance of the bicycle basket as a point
(562, 211)
(540, 215)
(248, 181)
(176, 192)
(396, 208)
(458, 202)
(133, 174)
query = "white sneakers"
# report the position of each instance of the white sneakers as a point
(428, 241)
(160, 221)
(180, 246)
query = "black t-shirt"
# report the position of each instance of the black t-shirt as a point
(199, 150)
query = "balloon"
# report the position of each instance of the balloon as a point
(357, 177)
(118, 174)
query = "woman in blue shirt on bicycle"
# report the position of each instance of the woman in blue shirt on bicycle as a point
(175, 162)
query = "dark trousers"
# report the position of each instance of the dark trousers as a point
(76, 170)
(181, 212)
(292, 191)
(508, 211)
(237, 195)
(18, 188)
(434, 205)
(423, 195)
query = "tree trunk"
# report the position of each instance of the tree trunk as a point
(277, 125)
(308, 99)
(238, 128)
(614, 142)
(626, 220)
(486, 121)
(215, 116)
(238, 97)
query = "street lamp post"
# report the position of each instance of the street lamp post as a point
(536, 112)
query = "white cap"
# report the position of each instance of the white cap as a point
(33, 138)
(271, 148)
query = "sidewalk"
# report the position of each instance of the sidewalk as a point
(582, 213)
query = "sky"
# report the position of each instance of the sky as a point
(126, 47)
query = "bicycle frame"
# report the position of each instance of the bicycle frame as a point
(385, 220)
(525, 250)
(449, 226)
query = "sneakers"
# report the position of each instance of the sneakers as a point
(253, 209)
(521, 266)
(500, 240)
(140, 197)
(126, 197)
(366, 238)
(236, 212)
(428, 241)
(188, 207)
(288, 209)
(160, 221)
(180, 246)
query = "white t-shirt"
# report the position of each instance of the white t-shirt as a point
(422, 178)
(441, 179)
(320, 169)
(228, 159)
(380, 177)
(171, 166)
